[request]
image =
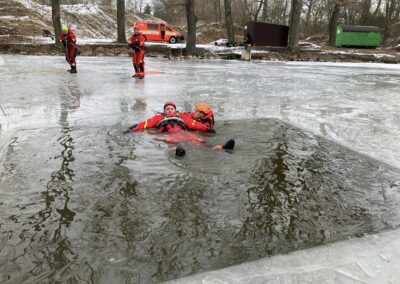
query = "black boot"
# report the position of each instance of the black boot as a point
(180, 151)
(73, 70)
(229, 145)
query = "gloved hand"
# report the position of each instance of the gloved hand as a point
(64, 43)
(130, 129)
(135, 47)
(211, 130)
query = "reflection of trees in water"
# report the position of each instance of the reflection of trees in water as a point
(162, 238)
(115, 230)
(48, 244)
(298, 196)
(58, 189)
(56, 217)
(184, 242)
(272, 199)
(45, 234)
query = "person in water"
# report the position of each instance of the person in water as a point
(170, 121)
(203, 114)
(176, 124)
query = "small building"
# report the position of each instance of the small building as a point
(264, 34)
(366, 36)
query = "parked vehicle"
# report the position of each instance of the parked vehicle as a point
(158, 31)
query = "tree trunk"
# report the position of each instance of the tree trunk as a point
(191, 24)
(264, 11)
(55, 15)
(332, 25)
(308, 16)
(378, 7)
(294, 25)
(121, 37)
(257, 12)
(229, 22)
(365, 12)
(284, 21)
(389, 19)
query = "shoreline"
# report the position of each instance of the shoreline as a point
(391, 56)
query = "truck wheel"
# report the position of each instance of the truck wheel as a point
(172, 40)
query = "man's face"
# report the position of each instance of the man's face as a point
(135, 31)
(170, 111)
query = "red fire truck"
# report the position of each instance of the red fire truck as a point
(158, 31)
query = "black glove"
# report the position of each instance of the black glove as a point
(64, 43)
(130, 128)
(135, 47)
(211, 130)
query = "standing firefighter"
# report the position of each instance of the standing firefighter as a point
(136, 42)
(68, 39)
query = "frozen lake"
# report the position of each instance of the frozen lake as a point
(317, 161)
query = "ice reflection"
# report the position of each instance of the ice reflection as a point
(122, 208)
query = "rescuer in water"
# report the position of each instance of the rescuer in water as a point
(176, 124)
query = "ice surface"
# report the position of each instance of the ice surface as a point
(372, 259)
(355, 105)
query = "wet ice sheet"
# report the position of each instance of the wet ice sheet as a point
(68, 172)
(373, 259)
(353, 104)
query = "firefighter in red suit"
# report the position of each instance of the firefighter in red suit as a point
(203, 114)
(136, 42)
(176, 124)
(68, 39)
(171, 121)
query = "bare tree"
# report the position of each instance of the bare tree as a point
(309, 5)
(332, 24)
(254, 8)
(392, 12)
(365, 12)
(217, 9)
(55, 15)
(229, 22)
(191, 24)
(264, 12)
(378, 7)
(294, 24)
(121, 37)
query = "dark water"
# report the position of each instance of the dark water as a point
(89, 205)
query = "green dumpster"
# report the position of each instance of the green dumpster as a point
(367, 36)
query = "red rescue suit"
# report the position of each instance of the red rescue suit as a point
(69, 41)
(136, 42)
(176, 126)
(207, 120)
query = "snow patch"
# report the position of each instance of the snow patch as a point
(82, 9)
(356, 53)
(14, 18)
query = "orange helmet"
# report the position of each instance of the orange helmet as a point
(169, 103)
(203, 107)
